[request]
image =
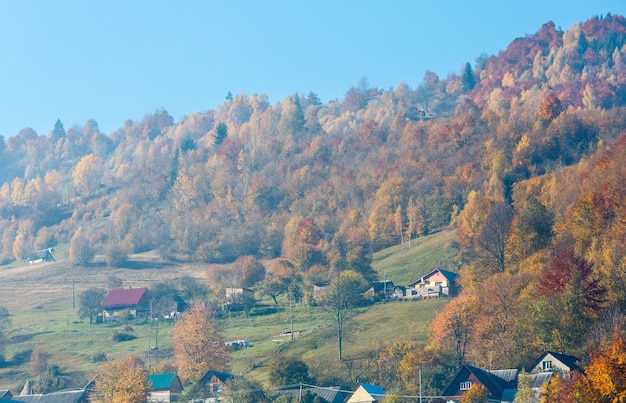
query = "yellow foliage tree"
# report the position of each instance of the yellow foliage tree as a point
(87, 174)
(477, 393)
(122, 381)
(605, 376)
(198, 343)
(470, 219)
(81, 251)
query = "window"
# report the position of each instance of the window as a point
(546, 365)
(465, 385)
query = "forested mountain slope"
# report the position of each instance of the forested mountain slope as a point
(320, 184)
(522, 151)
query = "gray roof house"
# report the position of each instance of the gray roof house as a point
(70, 396)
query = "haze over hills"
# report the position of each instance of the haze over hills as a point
(521, 152)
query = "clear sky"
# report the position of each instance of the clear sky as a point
(122, 59)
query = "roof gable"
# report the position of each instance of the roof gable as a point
(569, 361)
(374, 391)
(495, 381)
(124, 297)
(44, 254)
(221, 376)
(450, 276)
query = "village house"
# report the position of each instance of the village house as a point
(165, 387)
(319, 291)
(131, 301)
(70, 396)
(40, 256)
(366, 393)
(236, 292)
(550, 361)
(502, 384)
(323, 394)
(436, 283)
(213, 385)
(380, 290)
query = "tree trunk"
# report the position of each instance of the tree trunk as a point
(339, 332)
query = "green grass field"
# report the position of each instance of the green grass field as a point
(39, 299)
(403, 265)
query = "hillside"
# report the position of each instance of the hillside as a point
(40, 299)
(513, 168)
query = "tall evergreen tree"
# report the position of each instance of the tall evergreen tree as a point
(58, 132)
(292, 117)
(468, 78)
(174, 166)
(221, 132)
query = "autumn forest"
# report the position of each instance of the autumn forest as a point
(521, 153)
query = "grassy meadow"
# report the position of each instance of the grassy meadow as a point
(40, 297)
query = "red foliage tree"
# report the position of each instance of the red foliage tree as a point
(566, 268)
(550, 108)
(309, 232)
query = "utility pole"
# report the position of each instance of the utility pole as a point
(385, 285)
(156, 343)
(420, 373)
(291, 319)
(148, 352)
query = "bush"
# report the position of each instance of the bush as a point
(115, 256)
(119, 336)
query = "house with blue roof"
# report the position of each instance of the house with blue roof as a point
(367, 393)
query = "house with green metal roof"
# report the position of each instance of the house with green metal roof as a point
(165, 387)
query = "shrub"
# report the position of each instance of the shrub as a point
(120, 336)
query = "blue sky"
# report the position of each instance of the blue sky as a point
(115, 60)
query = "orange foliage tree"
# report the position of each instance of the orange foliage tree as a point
(605, 376)
(122, 381)
(557, 390)
(550, 108)
(453, 326)
(198, 343)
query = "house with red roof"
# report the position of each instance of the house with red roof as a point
(126, 301)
